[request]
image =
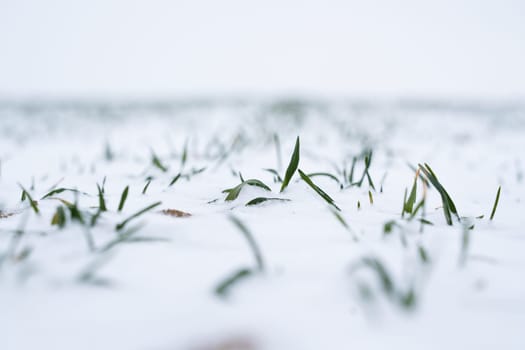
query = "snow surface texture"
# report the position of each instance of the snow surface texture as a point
(155, 288)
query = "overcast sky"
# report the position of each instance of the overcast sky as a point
(153, 48)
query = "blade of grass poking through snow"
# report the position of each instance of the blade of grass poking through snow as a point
(224, 287)
(260, 200)
(60, 190)
(101, 200)
(409, 205)
(343, 222)
(184, 156)
(137, 214)
(328, 175)
(292, 167)
(234, 192)
(123, 198)
(175, 179)
(59, 218)
(368, 162)
(277, 177)
(423, 255)
(495, 204)
(32, 203)
(448, 205)
(157, 163)
(352, 169)
(251, 242)
(404, 201)
(147, 185)
(319, 191)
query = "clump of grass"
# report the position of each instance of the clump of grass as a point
(59, 218)
(495, 206)
(32, 203)
(233, 193)
(121, 225)
(366, 174)
(318, 190)
(292, 166)
(123, 198)
(406, 299)
(101, 199)
(449, 207)
(224, 287)
(71, 212)
(409, 204)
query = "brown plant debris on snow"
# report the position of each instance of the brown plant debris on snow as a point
(175, 213)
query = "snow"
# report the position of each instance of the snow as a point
(160, 294)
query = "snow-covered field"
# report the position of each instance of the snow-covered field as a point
(359, 278)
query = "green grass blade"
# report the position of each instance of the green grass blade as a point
(224, 287)
(59, 218)
(318, 190)
(448, 205)
(233, 193)
(328, 175)
(60, 190)
(123, 198)
(495, 204)
(157, 163)
(145, 189)
(251, 242)
(409, 205)
(260, 200)
(184, 156)
(137, 214)
(175, 179)
(101, 200)
(275, 174)
(32, 203)
(404, 203)
(292, 167)
(258, 183)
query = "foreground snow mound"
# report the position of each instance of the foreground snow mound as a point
(261, 225)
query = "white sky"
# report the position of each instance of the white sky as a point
(125, 48)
